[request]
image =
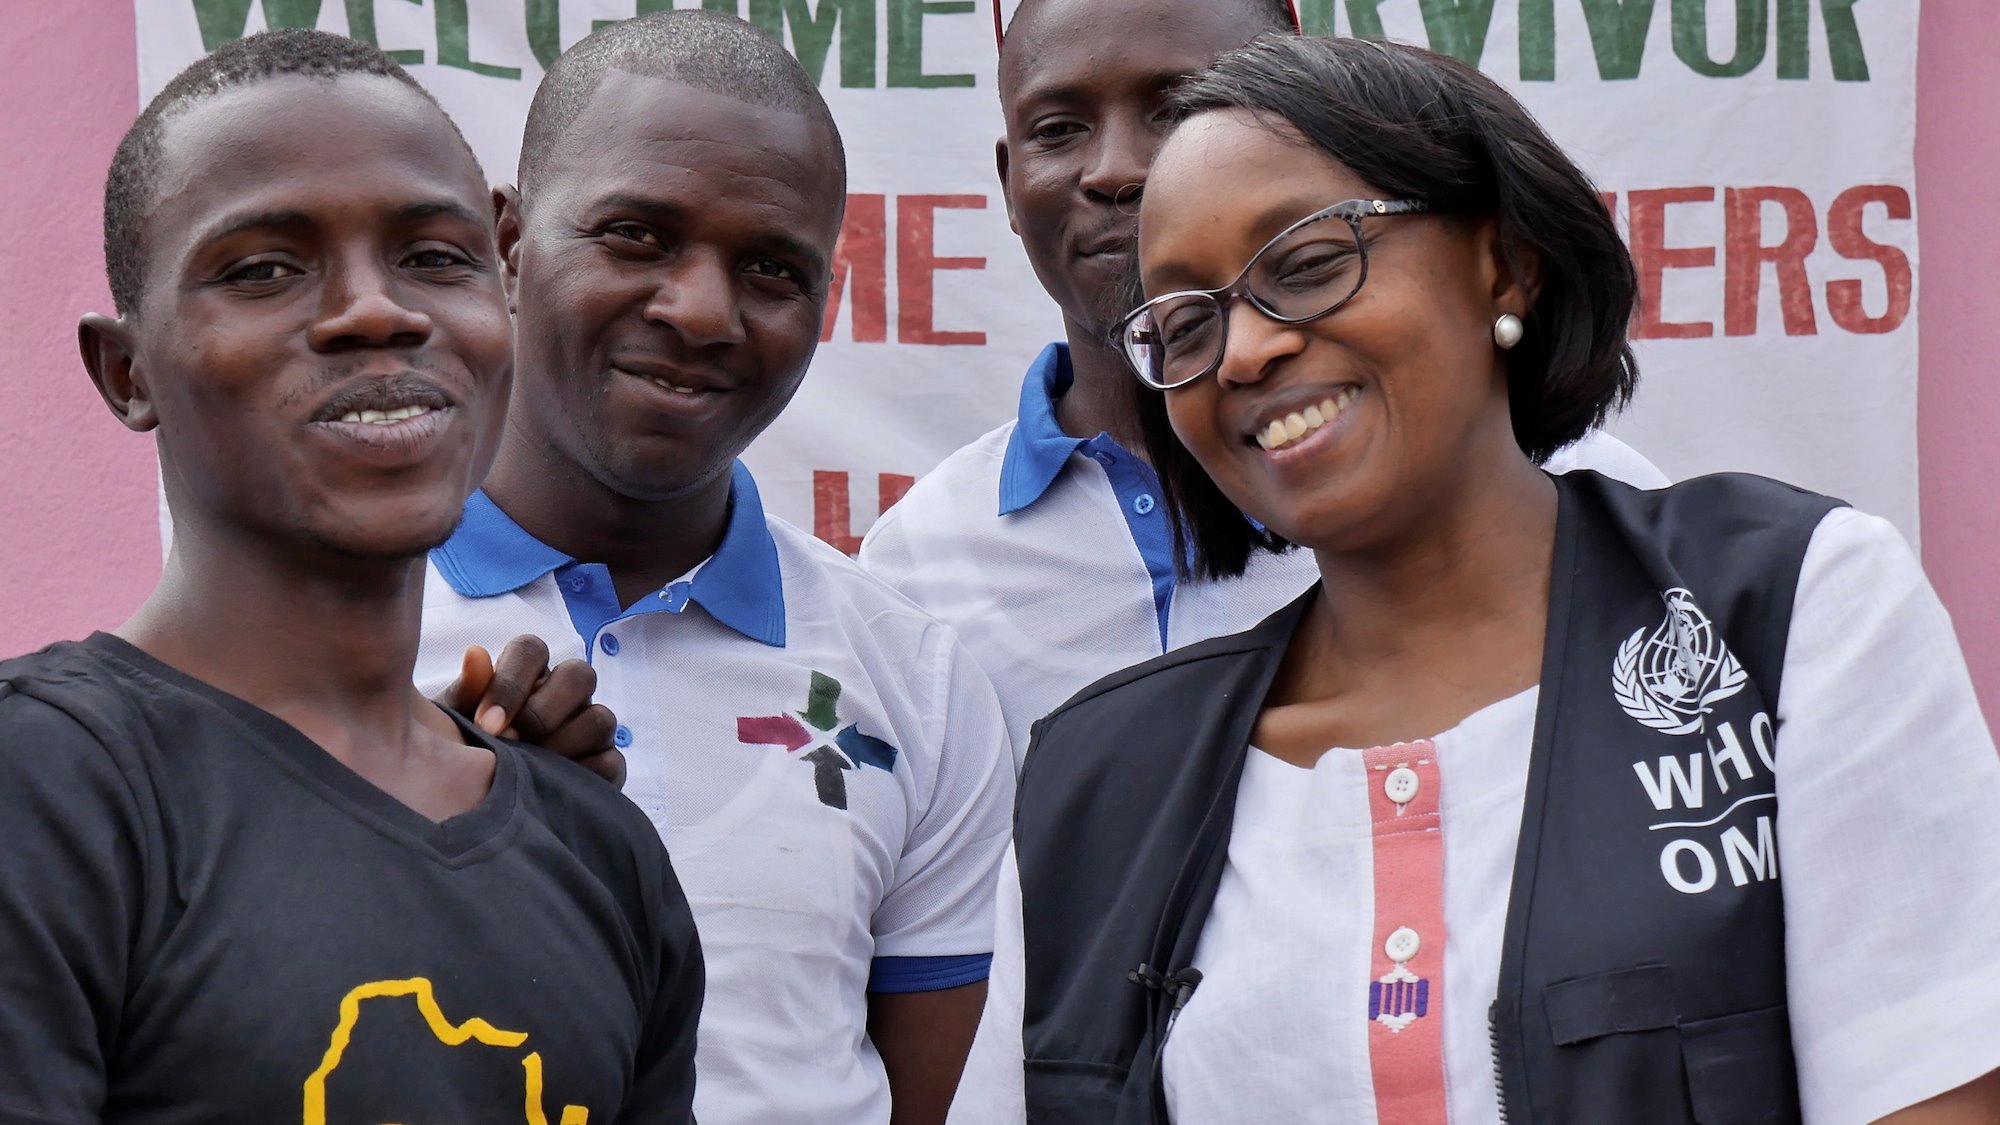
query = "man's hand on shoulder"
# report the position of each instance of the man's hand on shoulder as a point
(521, 697)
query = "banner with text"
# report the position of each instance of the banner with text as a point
(1758, 153)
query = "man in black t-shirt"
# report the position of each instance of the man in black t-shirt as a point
(250, 875)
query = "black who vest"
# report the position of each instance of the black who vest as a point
(1642, 975)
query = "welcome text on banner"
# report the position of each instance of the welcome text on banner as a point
(1758, 153)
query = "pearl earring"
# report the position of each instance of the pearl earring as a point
(1508, 330)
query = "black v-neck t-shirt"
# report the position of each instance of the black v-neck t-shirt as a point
(205, 918)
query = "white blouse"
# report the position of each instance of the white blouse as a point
(1888, 840)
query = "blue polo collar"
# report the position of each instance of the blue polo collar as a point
(741, 585)
(1038, 449)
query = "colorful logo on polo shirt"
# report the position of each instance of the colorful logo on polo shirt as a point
(833, 750)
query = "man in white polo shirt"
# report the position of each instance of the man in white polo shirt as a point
(826, 762)
(1043, 541)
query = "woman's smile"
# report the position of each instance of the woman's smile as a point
(1288, 431)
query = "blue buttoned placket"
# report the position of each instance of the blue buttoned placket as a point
(1039, 449)
(741, 585)
(1138, 490)
(593, 608)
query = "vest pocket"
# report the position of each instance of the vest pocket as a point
(1640, 998)
(1740, 1069)
(1073, 1090)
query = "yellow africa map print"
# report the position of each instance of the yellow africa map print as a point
(419, 992)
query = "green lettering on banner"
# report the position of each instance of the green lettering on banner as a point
(1538, 40)
(1794, 38)
(1617, 35)
(812, 34)
(1618, 30)
(545, 25)
(1363, 21)
(361, 25)
(906, 42)
(454, 32)
(1690, 20)
(1458, 27)
(544, 19)
(1843, 41)
(223, 20)
(1316, 17)
(364, 10)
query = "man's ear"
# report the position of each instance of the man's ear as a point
(108, 354)
(1001, 160)
(507, 223)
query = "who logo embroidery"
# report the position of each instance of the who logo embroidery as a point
(833, 750)
(1672, 678)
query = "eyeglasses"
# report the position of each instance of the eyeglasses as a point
(1309, 270)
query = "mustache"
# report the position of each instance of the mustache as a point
(412, 384)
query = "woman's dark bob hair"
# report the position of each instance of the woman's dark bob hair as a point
(1420, 125)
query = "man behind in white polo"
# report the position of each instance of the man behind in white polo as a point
(828, 765)
(1043, 541)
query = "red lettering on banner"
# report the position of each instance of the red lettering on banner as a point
(1745, 253)
(917, 261)
(833, 519)
(861, 258)
(1653, 257)
(1844, 234)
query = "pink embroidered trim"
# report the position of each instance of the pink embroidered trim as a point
(1406, 996)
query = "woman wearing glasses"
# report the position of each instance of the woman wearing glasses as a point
(1490, 825)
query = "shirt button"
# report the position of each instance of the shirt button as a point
(1144, 504)
(1401, 785)
(609, 643)
(1402, 944)
(622, 737)
(577, 583)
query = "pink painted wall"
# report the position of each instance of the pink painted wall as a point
(79, 538)
(1958, 400)
(78, 534)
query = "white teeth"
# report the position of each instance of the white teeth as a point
(385, 417)
(679, 390)
(1284, 431)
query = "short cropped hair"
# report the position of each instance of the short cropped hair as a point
(713, 51)
(1279, 12)
(1420, 125)
(129, 189)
